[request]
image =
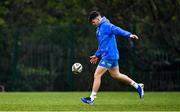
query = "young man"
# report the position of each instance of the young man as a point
(107, 50)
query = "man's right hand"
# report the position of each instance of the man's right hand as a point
(93, 59)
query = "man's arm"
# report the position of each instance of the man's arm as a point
(98, 52)
(119, 31)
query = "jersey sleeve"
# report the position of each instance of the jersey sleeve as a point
(119, 31)
(98, 52)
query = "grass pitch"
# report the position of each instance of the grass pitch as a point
(105, 101)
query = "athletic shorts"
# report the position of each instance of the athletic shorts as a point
(108, 63)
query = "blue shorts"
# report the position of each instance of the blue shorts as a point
(108, 63)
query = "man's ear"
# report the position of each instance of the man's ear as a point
(99, 18)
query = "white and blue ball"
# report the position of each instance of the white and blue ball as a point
(77, 68)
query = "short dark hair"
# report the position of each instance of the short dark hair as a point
(93, 15)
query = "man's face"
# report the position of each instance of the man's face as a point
(96, 21)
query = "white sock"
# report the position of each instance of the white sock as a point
(93, 95)
(134, 84)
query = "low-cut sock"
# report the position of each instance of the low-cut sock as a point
(134, 84)
(93, 95)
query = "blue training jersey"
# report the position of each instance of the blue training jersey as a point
(107, 46)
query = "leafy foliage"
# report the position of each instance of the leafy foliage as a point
(26, 24)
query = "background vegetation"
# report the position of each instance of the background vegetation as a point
(40, 40)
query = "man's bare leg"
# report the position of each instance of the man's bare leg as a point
(97, 80)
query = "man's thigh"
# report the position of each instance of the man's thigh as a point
(100, 71)
(114, 71)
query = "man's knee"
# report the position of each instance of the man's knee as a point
(97, 75)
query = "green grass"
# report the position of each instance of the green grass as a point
(105, 101)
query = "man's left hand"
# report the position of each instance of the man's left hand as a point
(134, 36)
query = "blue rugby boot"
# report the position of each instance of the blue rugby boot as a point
(141, 90)
(87, 100)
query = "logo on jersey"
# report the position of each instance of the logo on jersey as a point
(103, 62)
(109, 64)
